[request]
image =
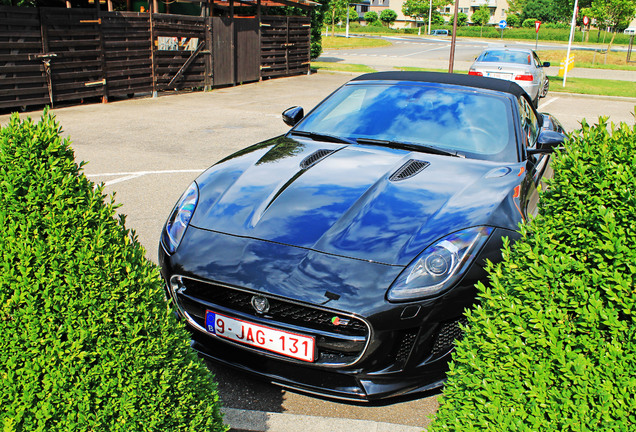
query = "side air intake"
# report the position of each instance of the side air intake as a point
(313, 158)
(411, 168)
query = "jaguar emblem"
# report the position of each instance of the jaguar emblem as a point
(260, 304)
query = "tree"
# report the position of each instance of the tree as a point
(336, 12)
(317, 18)
(516, 6)
(388, 17)
(613, 13)
(353, 14)
(541, 10)
(371, 17)
(420, 8)
(462, 18)
(415, 8)
(481, 16)
(562, 9)
(436, 18)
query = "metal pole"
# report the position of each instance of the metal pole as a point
(567, 57)
(430, 10)
(347, 29)
(454, 38)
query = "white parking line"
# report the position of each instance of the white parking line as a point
(124, 176)
(121, 179)
(421, 52)
(543, 105)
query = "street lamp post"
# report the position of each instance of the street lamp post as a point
(347, 29)
(572, 25)
(430, 10)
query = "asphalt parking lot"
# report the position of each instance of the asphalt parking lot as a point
(147, 151)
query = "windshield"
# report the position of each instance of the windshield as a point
(503, 56)
(463, 121)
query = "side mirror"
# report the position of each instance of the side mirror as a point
(547, 142)
(545, 64)
(293, 115)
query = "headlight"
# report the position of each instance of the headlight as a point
(439, 266)
(180, 218)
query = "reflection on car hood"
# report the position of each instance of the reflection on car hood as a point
(338, 199)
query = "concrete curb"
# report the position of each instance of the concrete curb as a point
(259, 421)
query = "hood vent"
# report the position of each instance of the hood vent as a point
(409, 169)
(313, 158)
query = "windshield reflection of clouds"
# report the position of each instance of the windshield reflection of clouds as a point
(473, 123)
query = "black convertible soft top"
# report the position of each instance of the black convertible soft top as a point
(448, 78)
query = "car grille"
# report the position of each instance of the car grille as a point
(448, 334)
(337, 345)
(404, 346)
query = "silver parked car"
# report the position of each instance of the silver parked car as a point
(514, 64)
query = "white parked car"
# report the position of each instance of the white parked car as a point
(520, 65)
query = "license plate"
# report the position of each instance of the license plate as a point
(499, 75)
(279, 341)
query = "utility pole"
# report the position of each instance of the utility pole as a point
(454, 38)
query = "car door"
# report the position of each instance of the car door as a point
(536, 165)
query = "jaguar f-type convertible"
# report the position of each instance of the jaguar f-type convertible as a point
(339, 258)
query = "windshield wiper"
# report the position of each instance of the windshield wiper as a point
(322, 137)
(408, 146)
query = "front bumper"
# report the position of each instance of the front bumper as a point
(390, 349)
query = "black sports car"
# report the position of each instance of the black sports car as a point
(338, 259)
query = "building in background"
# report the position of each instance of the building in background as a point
(498, 11)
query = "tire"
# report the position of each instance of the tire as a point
(546, 87)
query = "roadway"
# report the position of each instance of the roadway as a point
(434, 53)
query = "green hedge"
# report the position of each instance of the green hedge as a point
(548, 32)
(552, 344)
(87, 342)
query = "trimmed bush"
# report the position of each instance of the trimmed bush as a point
(552, 344)
(371, 17)
(513, 20)
(528, 22)
(87, 342)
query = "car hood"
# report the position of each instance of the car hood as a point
(344, 200)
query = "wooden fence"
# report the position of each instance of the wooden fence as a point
(54, 55)
(285, 45)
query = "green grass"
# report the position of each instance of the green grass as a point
(341, 67)
(593, 86)
(591, 59)
(333, 42)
